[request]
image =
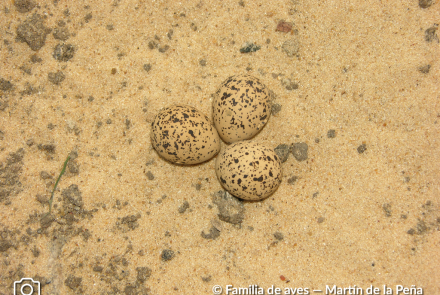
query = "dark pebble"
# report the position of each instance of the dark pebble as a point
(387, 209)
(56, 78)
(283, 151)
(431, 34)
(36, 59)
(63, 52)
(33, 32)
(425, 3)
(300, 151)
(143, 274)
(249, 47)
(24, 6)
(5, 85)
(183, 207)
(98, 268)
(164, 48)
(230, 208)
(150, 175)
(425, 69)
(167, 255)
(362, 148)
(292, 180)
(147, 67)
(73, 282)
(213, 234)
(276, 108)
(331, 133)
(61, 33)
(278, 235)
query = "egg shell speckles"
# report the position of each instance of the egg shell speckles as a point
(241, 108)
(248, 170)
(183, 135)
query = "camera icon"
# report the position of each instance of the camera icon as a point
(26, 286)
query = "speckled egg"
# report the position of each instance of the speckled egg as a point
(249, 170)
(183, 135)
(241, 108)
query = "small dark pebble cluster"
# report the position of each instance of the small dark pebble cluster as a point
(230, 208)
(167, 255)
(249, 47)
(299, 150)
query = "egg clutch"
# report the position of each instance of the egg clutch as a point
(241, 108)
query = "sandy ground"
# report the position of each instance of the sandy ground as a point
(358, 84)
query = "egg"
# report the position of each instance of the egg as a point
(241, 108)
(248, 170)
(183, 135)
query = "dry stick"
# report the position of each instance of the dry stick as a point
(55, 187)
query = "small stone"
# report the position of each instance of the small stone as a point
(362, 148)
(164, 48)
(291, 47)
(425, 69)
(24, 6)
(170, 34)
(431, 34)
(289, 85)
(42, 199)
(275, 109)
(5, 245)
(183, 207)
(167, 255)
(147, 67)
(292, 180)
(35, 251)
(150, 175)
(207, 279)
(321, 219)
(36, 59)
(284, 27)
(143, 274)
(33, 32)
(61, 33)
(88, 17)
(282, 152)
(63, 52)
(249, 47)
(202, 62)
(331, 133)
(300, 151)
(213, 234)
(46, 221)
(73, 282)
(425, 3)
(5, 85)
(278, 235)
(230, 208)
(387, 209)
(152, 44)
(56, 78)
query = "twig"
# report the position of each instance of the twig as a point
(55, 187)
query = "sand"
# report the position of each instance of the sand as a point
(357, 83)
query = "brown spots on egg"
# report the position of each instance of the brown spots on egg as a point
(248, 170)
(183, 135)
(241, 108)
